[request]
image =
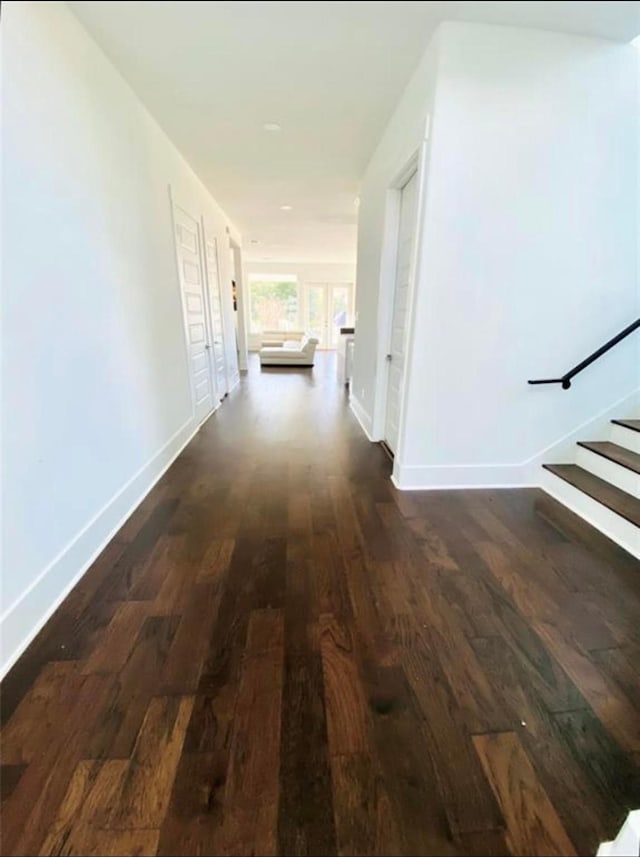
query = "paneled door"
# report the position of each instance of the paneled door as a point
(398, 343)
(192, 284)
(217, 324)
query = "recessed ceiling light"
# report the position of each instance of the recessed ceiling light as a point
(254, 241)
(272, 126)
(286, 207)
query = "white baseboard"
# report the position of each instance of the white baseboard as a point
(362, 415)
(23, 619)
(627, 842)
(436, 477)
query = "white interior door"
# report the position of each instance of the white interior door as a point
(192, 283)
(217, 327)
(398, 341)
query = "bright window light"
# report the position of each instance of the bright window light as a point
(274, 302)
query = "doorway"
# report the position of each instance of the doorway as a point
(398, 337)
(329, 307)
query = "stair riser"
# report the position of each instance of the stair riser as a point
(615, 474)
(625, 437)
(624, 533)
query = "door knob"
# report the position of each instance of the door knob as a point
(389, 358)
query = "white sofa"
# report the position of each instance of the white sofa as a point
(290, 353)
(276, 338)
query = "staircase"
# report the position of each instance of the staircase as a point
(603, 485)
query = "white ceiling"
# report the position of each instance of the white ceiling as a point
(329, 73)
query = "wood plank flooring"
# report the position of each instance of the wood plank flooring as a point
(281, 654)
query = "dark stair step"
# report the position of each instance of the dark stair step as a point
(634, 425)
(615, 453)
(613, 498)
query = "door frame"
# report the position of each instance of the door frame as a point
(415, 163)
(242, 312)
(214, 241)
(174, 204)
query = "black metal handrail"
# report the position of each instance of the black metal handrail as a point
(566, 379)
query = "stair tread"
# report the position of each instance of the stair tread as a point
(617, 454)
(613, 498)
(634, 425)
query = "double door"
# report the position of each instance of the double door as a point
(329, 307)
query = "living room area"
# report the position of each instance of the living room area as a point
(296, 309)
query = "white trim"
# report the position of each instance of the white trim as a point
(627, 842)
(436, 477)
(68, 567)
(361, 415)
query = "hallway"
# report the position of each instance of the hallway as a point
(279, 653)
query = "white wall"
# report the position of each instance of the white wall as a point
(96, 399)
(306, 273)
(527, 251)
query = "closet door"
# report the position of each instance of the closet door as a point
(192, 284)
(217, 324)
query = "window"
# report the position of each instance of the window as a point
(274, 303)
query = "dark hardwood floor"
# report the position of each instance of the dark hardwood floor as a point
(281, 654)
